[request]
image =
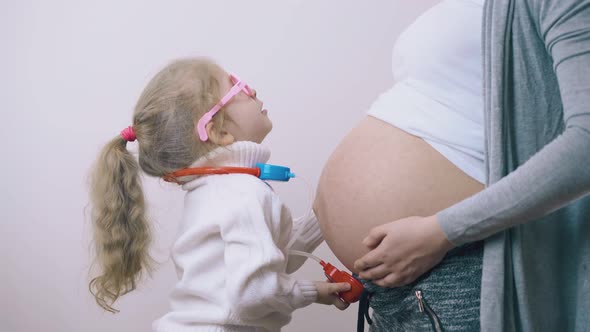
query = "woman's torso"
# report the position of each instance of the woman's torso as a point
(379, 174)
(421, 148)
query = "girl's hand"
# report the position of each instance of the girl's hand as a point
(328, 293)
(402, 250)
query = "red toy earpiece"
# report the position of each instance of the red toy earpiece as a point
(335, 275)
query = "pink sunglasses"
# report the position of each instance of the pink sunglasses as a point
(238, 87)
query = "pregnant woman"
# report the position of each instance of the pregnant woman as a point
(533, 212)
(419, 150)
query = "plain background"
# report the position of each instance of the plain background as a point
(71, 72)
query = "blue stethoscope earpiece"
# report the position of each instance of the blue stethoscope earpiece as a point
(274, 172)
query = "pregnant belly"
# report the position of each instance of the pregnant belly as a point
(378, 174)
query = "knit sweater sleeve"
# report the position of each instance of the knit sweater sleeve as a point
(305, 236)
(256, 282)
(559, 173)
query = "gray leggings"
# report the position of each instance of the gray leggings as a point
(450, 291)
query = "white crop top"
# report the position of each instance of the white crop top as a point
(438, 96)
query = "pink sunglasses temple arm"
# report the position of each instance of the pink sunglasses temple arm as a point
(201, 131)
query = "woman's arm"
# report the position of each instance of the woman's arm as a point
(560, 172)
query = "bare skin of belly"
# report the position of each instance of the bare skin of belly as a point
(378, 174)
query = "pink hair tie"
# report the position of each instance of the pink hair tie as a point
(128, 134)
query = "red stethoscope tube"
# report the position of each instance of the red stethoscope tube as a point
(172, 177)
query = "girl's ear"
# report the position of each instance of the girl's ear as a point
(219, 137)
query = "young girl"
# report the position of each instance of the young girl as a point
(231, 252)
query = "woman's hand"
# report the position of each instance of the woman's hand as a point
(328, 293)
(402, 250)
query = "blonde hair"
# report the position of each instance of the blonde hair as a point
(164, 124)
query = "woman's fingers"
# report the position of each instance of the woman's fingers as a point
(390, 280)
(374, 257)
(375, 272)
(371, 259)
(377, 242)
(375, 237)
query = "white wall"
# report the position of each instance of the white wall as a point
(71, 73)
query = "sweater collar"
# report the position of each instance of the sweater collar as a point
(238, 154)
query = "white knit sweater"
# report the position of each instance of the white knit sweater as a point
(231, 254)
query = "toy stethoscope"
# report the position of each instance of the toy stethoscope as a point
(280, 173)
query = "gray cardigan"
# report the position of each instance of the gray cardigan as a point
(533, 213)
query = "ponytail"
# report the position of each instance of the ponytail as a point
(121, 231)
